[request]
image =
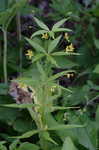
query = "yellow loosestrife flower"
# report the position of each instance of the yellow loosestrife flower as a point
(70, 48)
(29, 54)
(45, 36)
(68, 75)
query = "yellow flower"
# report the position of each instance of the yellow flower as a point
(68, 75)
(29, 54)
(66, 36)
(22, 86)
(45, 36)
(70, 48)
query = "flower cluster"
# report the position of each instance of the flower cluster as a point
(45, 36)
(29, 54)
(70, 48)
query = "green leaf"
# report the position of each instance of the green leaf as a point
(38, 33)
(27, 134)
(87, 133)
(96, 70)
(59, 54)
(19, 105)
(41, 70)
(26, 80)
(68, 144)
(9, 115)
(59, 75)
(58, 24)
(66, 89)
(41, 24)
(62, 127)
(53, 124)
(62, 30)
(28, 146)
(53, 44)
(64, 53)
(22, 125)
(37, 57)
(54, 108)
(63, 62)
(35, 45)
(52, 60)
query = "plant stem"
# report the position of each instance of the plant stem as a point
(34, 117)
(5, 56)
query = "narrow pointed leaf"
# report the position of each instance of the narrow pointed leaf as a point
(54, 108)
(59, 54)
(27, 134)
(69, 53)
(35, 45)
(37, 57)
(19, 105)
(64, 53)
(38, 33)
(62, 127)
(66, 89)
(26, 80)
(53, 44)
(41, 70)
(62, 30)
(59, 75)
(52, 60)
(41, 24)
(59, 23)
